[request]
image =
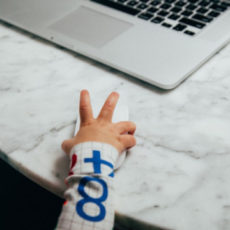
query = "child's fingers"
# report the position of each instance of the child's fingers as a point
(128, 141)
(126, 127)
(85, 108)
(108, 107)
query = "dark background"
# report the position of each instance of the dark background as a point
(23, 204)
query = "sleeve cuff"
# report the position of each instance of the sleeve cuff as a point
(93, 158)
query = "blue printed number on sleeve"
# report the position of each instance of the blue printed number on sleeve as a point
(97, 162)
(88, 199)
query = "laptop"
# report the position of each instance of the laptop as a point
(161, 42)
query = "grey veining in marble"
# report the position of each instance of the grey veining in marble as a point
(177, 176)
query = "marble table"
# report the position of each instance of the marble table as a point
(177, 176)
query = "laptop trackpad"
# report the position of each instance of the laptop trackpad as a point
(90, 26)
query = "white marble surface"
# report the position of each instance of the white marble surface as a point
(177, 176)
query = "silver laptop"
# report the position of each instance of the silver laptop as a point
(161, 42)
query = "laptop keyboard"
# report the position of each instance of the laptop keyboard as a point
(186, 16)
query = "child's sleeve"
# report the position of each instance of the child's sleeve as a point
(89, 197)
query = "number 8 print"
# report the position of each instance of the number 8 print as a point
(87, 199)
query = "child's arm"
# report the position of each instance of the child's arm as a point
(93, 153)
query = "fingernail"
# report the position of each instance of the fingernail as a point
(84, 91)
(112, 99)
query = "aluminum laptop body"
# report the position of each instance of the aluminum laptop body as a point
(160, 56)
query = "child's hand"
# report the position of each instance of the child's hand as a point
(101, 129)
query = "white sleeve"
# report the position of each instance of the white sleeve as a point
(89, 197)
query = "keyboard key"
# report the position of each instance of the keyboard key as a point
(122, 1)
(163, 13)
(132, 3)
(118, 6)
(176, 9)
(186, 13)
(165, 6)
(193, 23)
(174, 16)
(202, 18)
(152, 10)
(144, 1)
(170, 1)
(142, 6)
(213, 14)
(155, 2)
(191, 7)
(202, 10)
(180, 3)
(204, 3)
(157, 20)
(226, 4)
(189, 32)
(179, 27)
(193, 1)
(166, 25)
(219, 8)
(145, 16)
